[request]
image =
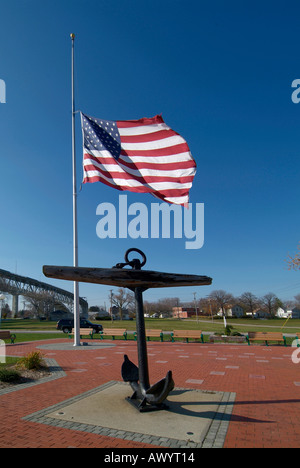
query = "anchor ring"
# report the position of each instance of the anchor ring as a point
(139, 252)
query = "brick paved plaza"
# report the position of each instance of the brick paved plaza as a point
(259, 385)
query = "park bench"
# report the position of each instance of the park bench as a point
(153, 333)
(83, 332)
(113, 332)
(187, 334)
(6, 335)
(266, 337)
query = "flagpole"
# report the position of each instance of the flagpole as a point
(75, 234)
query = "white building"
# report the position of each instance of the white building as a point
(233, 311)
(283, 313)
(260, 313)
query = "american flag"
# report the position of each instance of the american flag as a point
(143, 156)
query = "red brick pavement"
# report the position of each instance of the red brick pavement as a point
(266, 411)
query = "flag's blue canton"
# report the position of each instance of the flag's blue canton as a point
(101, 135)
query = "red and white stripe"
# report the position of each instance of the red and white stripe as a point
(154, 159)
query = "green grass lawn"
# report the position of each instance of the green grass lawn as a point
(9, 361)
(204, 324)
(13, 324)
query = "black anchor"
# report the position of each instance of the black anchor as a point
(145, 396)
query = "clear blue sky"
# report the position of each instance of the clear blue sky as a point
(220, 72)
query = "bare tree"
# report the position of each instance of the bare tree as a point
(249, 301)
(204, 304)
(122, 300)
(165, 305)
(269, 302)
(222, 299)
(297, 299)
(294, 262)
(150, 307)
(43, 303)
(288, 304)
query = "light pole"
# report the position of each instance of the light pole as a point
(111, 303)
(2, 298)
(210, 309)
(195, 306)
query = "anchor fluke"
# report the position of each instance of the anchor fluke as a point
(151, 399)
(129, 371)
(159, 391)
(143, 398)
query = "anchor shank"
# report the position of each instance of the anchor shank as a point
(141, 340)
